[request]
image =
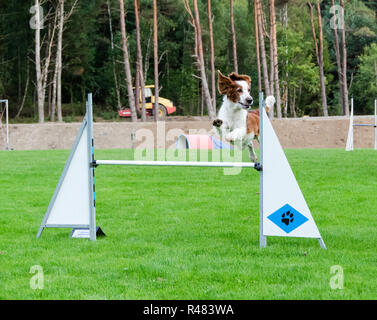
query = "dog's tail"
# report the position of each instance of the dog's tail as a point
(270, 101)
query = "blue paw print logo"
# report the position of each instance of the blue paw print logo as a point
(287, 218)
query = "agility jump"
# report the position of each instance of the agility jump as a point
(283, 210)
(349, 144)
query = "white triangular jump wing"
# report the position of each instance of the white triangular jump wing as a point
(285, 212)
(70, 205)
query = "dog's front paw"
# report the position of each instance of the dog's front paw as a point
(217, 123)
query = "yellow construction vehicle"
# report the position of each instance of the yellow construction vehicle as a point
(165, 106)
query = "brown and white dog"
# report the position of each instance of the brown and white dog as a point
(235, 121)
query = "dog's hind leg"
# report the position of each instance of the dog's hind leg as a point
(252, 154)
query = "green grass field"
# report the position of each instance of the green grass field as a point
(189, 233)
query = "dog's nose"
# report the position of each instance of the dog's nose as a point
(249, 101)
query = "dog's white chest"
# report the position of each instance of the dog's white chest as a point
(235, 119)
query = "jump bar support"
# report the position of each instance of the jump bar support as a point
(364, 125)
(349, 144)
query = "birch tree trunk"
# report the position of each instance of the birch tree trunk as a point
(271, 38)
(42, 68)
(56, 101)
(275, 58)
(284, 101)
(213, 74)
(40, 91)
(59, 62)
(50, 43)
(126, 61)
(344, 53)
(54, 91)
(314, 34)
(293, 103)
(210, 108)
(139, 64)
(196, 54)
(195, 21)
(155, 58)
(338, 63)
(321, 65)
(286, 88)
(263, 54)
(257, 45)
(234, 40)
(47, 75)
(137, 87)
(117, 89)
(319, 54)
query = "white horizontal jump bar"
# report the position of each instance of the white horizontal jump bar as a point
(175, 163)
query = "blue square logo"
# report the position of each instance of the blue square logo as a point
(287, 218)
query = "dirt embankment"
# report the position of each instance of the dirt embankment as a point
(319, 132)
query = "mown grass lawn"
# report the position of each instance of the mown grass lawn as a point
(189, 233)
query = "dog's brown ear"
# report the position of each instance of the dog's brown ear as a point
(236, 77)
(223, 83)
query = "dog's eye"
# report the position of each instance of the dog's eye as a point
(239, 90)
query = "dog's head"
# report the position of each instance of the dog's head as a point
(237, 89)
